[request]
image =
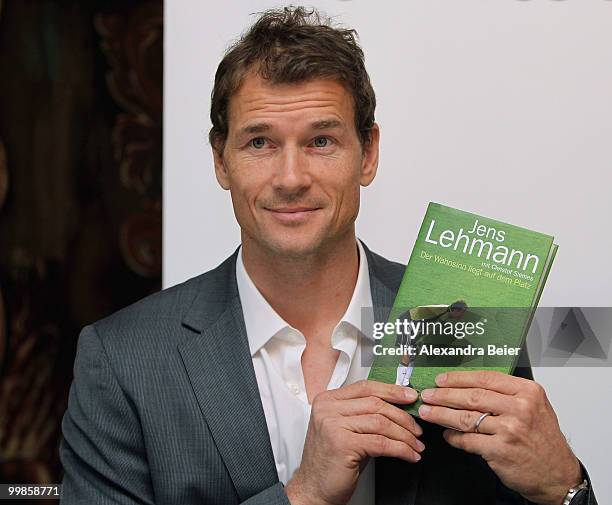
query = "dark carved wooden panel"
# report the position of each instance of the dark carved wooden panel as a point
(132, 45)
(80, 199)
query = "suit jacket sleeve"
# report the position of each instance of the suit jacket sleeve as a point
(274, 495)
(589, 499)
(103, 451)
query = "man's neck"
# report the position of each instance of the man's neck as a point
(311, 292)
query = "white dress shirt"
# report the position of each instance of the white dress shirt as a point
(276, 349)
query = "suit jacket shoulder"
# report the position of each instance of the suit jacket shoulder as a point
(148, 327)
(388, 272)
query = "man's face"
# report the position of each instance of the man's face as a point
(294, 164)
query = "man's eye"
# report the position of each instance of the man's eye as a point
(321, 142)
(258, 142)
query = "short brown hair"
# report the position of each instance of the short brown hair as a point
(292, 45)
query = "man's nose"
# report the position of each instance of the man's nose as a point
(292, 170)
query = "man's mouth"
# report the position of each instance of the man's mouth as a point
(292, 215)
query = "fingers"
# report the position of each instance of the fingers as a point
(481, 400)
(364, 388)
(483, 379)
(376, 405)
(461, 420)
(365, 414)
(377, 445)
(377, 424)
(471, 442)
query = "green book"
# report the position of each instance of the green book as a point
(465, 302)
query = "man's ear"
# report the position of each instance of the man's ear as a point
(369, 160)
(220, 168)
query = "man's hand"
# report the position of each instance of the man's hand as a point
(346, 427)
(521, 441)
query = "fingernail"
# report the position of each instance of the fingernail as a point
(417, 456)
(410, 394)
(418, 430)
(424, 410)
(427, 394)
(420, 445)
(441, 379)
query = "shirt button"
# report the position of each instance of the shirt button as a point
(294, 388)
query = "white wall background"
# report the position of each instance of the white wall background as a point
(501, 108)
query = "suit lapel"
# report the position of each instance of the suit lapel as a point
(229, 396)
(396, 481)
(219, 366)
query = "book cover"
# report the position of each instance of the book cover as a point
(465, 302)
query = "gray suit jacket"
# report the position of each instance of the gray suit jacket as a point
(165, 409)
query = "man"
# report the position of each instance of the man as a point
(245, 384)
